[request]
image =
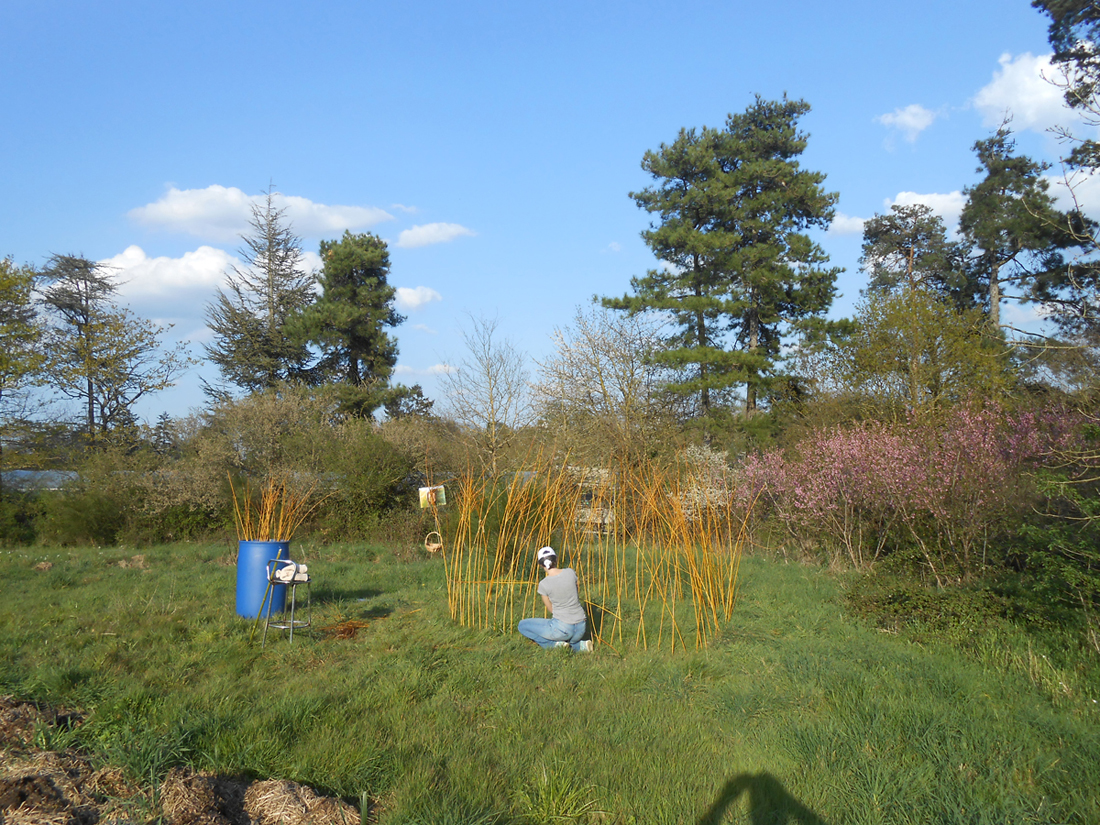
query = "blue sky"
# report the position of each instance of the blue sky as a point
(493, 145)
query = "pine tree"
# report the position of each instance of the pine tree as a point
(908, 247)
(348, 322)
(255, 344)
(737, 270)
(1010, 221)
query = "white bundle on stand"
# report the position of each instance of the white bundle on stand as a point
(291, 571)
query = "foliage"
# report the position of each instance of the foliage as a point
(366, 478)
(256, 347)
(908, 246)
(1010, 220)
(433, 445)
(101, 354)
(20, 356)
(19, 513)
(733, 207)
(944, 488)
(100, 504)
(1074, 35)
(1062, 548)
(408, 402)
(912, 350)
(348, 321)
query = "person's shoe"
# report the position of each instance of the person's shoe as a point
(585, 646)
(561, 644)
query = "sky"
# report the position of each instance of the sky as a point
(493, 145)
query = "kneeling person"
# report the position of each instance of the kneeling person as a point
(558, 589)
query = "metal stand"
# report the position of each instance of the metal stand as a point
(292, 623)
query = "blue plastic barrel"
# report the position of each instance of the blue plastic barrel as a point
(252, 559)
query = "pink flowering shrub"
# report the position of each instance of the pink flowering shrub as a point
(944, 487)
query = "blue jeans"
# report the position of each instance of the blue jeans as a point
(548, 632)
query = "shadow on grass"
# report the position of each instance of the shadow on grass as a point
(768, 801)
(328, 594)
(377, 612)
(596, 615)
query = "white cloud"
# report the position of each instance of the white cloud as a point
(1022, 89)
(416, 297)
(313, 219)
(846, 225)
(614, 246)
(1024, 316)
(948, 206)
(311, 261)
(431, 233)
(1085, 194)
(425, 328)
(140, 276)
(222, 213)
(435, 369)
(910, 121)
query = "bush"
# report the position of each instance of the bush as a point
(19, 511)
(98, 506)
(949, 488)
(366, 478)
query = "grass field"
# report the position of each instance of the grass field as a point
(795, 713)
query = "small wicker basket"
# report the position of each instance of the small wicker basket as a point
(433, 542)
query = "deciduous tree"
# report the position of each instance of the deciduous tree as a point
(601, 390)
(21, 357)
(487, 393)
(915, 351)
(101, 354)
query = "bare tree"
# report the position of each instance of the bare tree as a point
(487, 392)
(600, 391)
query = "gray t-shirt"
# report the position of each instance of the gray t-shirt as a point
(561, 590)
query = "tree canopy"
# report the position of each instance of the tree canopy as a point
(737, 269)
(255, 345)
(348, 322)
(101, 354)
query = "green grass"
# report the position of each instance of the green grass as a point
(797, 713)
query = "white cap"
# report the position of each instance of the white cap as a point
(545, 553)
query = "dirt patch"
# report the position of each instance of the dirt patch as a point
(134, 562)
(44, 566)
(344, 630)
(41, 787)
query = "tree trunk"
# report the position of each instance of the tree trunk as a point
(754, 342)
(995, 297)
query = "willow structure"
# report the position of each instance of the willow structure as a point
(657, 550)
(274, 514)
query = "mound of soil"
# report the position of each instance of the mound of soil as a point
(41, 787)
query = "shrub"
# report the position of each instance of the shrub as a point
(19, 512)
(98, 506)
(366, 477)
(945, 487)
